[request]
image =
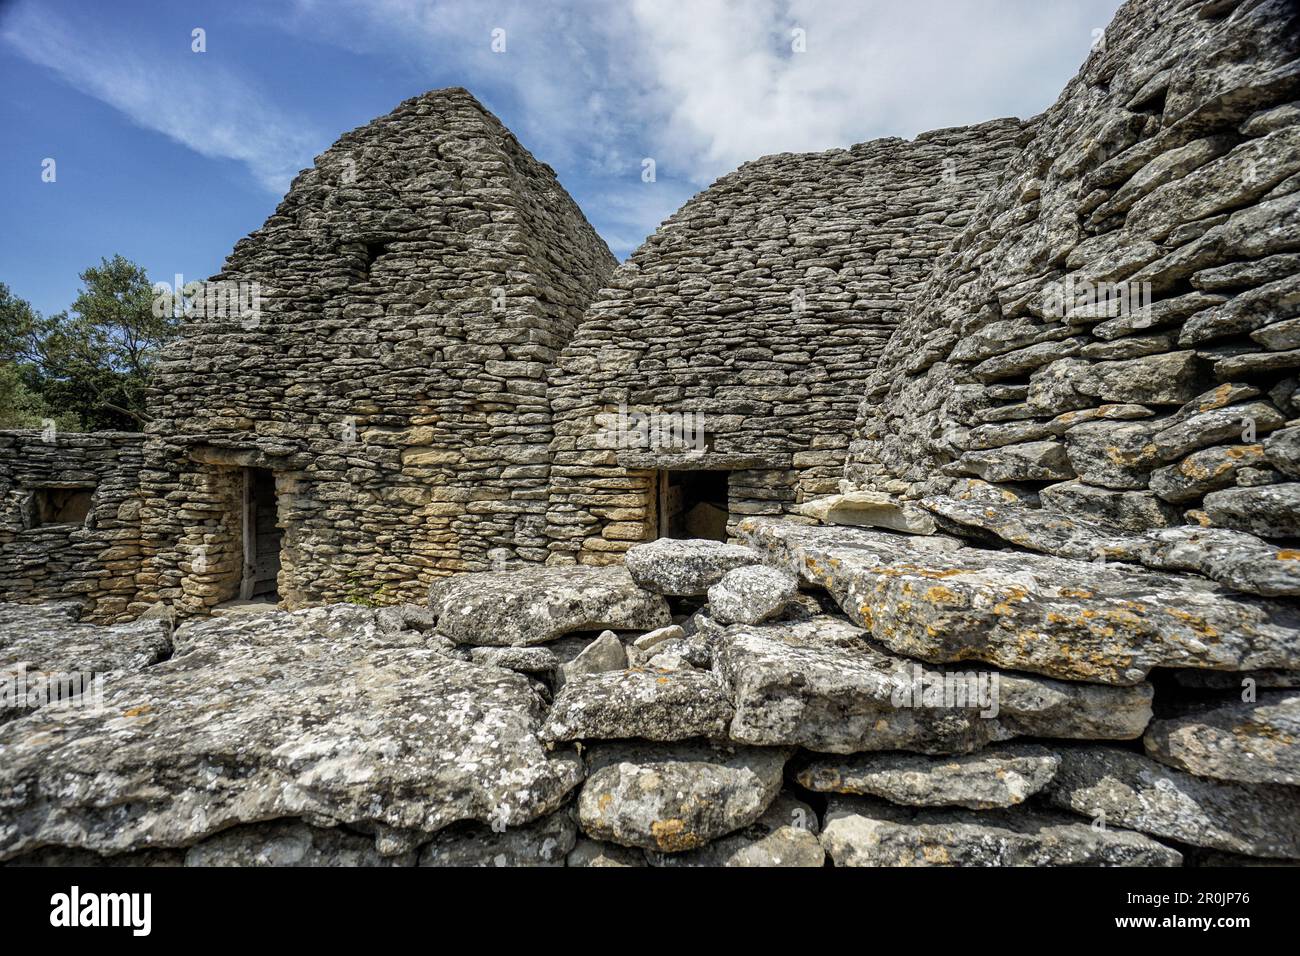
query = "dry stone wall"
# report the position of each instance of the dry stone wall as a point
(1113, 337)
(414, 287)
(70, 520)
(744, 329)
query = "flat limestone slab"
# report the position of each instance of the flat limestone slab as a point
(1127, 789)
(535, 605)
(646, 703)
(999, 776)
(44, 643)
(323, 715)
(1257, 742)
(821, 684)
(1071, 619)
(864, 832)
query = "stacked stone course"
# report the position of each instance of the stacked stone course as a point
(93, 559)
(756, 311)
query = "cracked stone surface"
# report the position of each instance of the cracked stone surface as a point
(1127, 789)
(319, 714)
(822, 685)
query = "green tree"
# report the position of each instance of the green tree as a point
(92, 363)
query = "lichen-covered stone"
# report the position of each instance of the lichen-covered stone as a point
(863, 832)
(998, 776)
(1255, 742)
(676, 797)
(536, 605)
(544, 842)
(822, 685)
(1069, 619)
(684, 567)
(47, 655)
(785, 835)
(753, 594)
(649, 703)
(317, 714)
(1125, 789)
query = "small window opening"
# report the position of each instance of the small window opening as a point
(60, 505)
(693, 504)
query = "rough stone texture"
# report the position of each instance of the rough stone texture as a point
(95, 558)
(999, 776)
(290, 843)
(587, 852)
(43, 648)
(752, 595)
(675, 798)
(536, 605)
(1140, 249)
(415, 286)
(1065, 618)
(1129, 790)
(758, 310)
(785, 835)
(1256, 742)
(319, 714)
(862, 832)
(650, 703)
(544, 842)
(822, 685)
(684, 567)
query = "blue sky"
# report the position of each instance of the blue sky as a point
(169, 156)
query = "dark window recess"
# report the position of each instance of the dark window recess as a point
(373, 250)
(693, 504)
(60, 505)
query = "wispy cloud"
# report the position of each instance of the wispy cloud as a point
(704, 85)
(192, 100)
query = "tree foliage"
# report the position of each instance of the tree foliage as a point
(87, 368)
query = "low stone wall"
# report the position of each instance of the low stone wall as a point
(790, 702)
(70, 520)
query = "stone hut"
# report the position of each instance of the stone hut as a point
(374, 413)
(718, 374)
(1113, 340)
(70, 519)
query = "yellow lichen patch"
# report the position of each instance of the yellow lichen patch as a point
(661, 680)
(1216, 398)
(1288, 554)
(673, 837)
(137, 711)
(1194, 621)
(935, 855)
(937, 593)
(1075, 593)
(602, 804)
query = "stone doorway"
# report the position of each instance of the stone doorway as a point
(261, 537)
(693, 504)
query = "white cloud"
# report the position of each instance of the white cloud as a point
(736, 89)
(704, 85)
(192, 100)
